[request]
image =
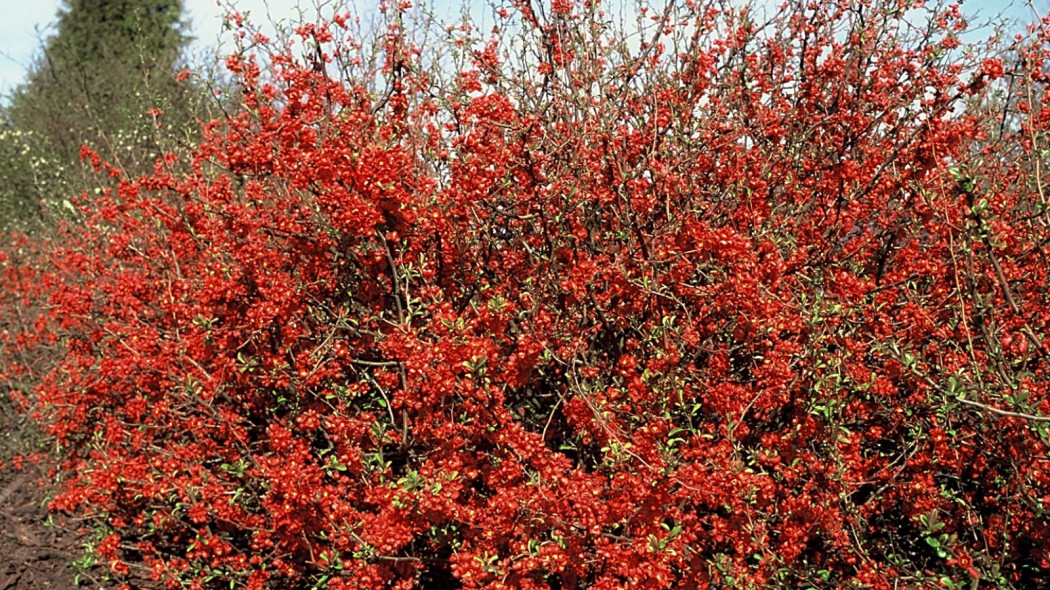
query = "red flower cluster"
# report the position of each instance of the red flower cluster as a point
(739, 306)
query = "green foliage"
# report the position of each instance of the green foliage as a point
(27, 176)
(95, 82)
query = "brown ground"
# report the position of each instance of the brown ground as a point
(34, 552)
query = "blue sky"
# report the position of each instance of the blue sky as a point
(24, 21)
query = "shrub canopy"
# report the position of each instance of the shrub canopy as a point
(706, 301)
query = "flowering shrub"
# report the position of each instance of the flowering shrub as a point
(699, 303)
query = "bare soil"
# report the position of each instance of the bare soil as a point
(35, 551)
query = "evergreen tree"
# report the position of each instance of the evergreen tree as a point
(95, 82)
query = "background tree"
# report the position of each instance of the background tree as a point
(96, 81)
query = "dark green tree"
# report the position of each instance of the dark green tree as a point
(95, 82)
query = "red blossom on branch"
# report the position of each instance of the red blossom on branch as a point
(738, 304)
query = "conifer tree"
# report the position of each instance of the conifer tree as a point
(95, 82)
